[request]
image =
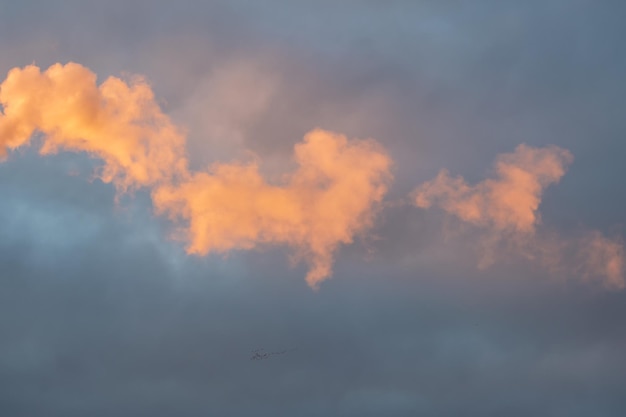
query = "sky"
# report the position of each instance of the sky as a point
(409, 208)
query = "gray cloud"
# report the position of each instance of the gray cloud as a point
(101, 315)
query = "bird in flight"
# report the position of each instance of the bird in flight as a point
(259, 354)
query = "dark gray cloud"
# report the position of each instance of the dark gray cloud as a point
(102, 315)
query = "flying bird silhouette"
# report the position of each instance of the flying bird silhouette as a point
(258, 354)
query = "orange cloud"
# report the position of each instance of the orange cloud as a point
(507, 202)
(602, 257)
(327, 201)
(506, 208)
(119, 122)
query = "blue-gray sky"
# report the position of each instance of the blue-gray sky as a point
(103, 314)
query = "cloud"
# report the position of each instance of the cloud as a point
(325, 202)
(224, 105)
(328, 200)
(602, 256)
(507, 202)
(117, 121)
(505, 207)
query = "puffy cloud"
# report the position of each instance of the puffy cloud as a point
(510, 200)
(117, 121)
(506, 207)
(325, 202)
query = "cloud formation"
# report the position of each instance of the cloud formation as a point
(328, 200)
(602, 256)
(117, 121)
(331, 196)
(506, 208)
(510, 200)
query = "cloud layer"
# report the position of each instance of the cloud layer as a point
(331, 197)
(101, 315)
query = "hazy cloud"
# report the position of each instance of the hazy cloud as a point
(506, 208)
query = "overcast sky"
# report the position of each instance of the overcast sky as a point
(492, 288)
